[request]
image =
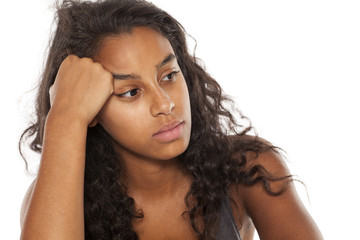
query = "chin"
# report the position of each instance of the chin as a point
(173, 150)
(154, 150)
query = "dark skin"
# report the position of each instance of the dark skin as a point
(154, 88)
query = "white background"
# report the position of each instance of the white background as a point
(292, 67)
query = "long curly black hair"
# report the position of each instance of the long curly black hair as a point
(109, 211)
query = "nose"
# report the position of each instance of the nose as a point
(161, 103)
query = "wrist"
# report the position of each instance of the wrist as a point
(65, 119)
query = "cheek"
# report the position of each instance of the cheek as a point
(132, 126)
(181, 96)
(121, 120)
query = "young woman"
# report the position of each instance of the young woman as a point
(136, 143)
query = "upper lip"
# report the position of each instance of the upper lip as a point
(167, 126)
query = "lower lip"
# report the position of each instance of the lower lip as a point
(170, 135)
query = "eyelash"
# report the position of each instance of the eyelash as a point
(172, 74)
(130, 98)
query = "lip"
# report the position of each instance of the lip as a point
(170, 131)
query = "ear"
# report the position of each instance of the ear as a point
(94, 122)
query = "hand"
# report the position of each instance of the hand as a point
(80, 89)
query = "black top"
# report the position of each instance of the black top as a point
(228, 229)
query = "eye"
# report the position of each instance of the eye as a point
(129, 95)
(170, 76)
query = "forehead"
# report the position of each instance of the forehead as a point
(126, 51)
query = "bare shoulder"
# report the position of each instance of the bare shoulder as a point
(268, 157)
(275, 216)
(25, 203)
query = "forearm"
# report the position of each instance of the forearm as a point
(55, 208)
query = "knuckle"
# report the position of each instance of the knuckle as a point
(86, 60)
(71, 58)
(98, 66)
(108, 75)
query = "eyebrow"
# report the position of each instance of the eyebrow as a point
(125, 76)
(166, 60)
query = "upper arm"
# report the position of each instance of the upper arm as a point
(25, 203)
(277, 217)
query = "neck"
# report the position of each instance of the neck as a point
(153, 179)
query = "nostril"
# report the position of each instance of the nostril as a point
(167, 107)
(161, 102)
(172, 105)
(163, 107)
